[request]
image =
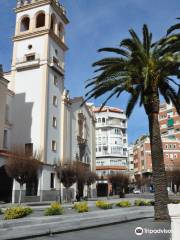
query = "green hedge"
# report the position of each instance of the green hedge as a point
(104, 205)
(123, 204)
(81, 207)
(54, 209)
(17, 212)
(141, 202)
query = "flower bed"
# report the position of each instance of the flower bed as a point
(104, 205)
(54, 209)
(17, 212)
(141, 202)
(123, 204)
(81, 207)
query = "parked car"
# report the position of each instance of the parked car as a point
(136, 191)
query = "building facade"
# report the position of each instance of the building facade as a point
(111, 144)
(169, 121)
(78, 141)
(130, 162)
(35, 106)
(142, 155)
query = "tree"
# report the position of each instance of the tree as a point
(81, 170)
(143, 181)
(119, 182)
(174, 177)
(68, 176)
(22, 166)
(91, 177)
(144, 70)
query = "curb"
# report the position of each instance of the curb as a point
(68, 225)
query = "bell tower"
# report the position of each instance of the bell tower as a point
(38, 79)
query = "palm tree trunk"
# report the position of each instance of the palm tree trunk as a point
(159, 173)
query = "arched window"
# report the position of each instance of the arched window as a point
(40, 20)
(53, 22)
(25, 22)
(61, 31)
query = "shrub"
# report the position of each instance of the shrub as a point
(1, 212)
(104, 205)
(123, 204)
(17, 212)
(54, 209)
(175, 201)
(141, 202)
(81, 207)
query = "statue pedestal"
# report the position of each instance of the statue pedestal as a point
(174, 213)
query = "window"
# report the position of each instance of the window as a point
(56, 52)
(103, 120)
(25, 22)
(55, 81)
(40, 20)
(170, 122)
(5, 139)
(175, 155)
(30, 46)
(61, 31)
(55, 101)
(54, 122)
(53, 22)
(30, 58)
(29, 149)
(54, 146)
(117, 131)
(99, 120)
(7, 113)
(171, 156)
(52, 180)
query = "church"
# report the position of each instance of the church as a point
(36, 110)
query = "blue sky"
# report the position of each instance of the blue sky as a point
(95, 24)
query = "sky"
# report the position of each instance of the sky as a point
(95, 24)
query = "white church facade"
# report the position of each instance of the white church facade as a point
(41, 114)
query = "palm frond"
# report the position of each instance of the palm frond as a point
(115, 50)
(173, 28)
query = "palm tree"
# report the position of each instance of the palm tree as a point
(144, 70)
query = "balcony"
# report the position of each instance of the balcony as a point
(29, 61)
(57, 65)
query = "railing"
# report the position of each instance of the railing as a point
(21, 3)
(59, 65)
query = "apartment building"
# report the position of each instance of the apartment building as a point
(111, 144)
(142, 155)
(169, 121)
